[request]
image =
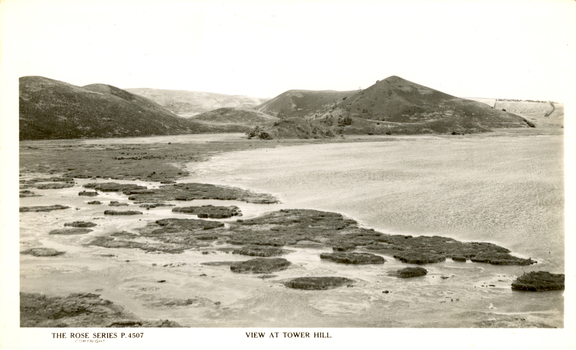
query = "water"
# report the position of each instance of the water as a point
(506, 189)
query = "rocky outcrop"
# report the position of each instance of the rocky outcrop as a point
(122, 212)
(497, 258)
(167, 235)
(70, 231)
(110, 242)
(288, 227)
(41, 252)
(172, 225)
(47, 179)
(210, 211)
(88, 193)
(43, 208)
(419, 258)
(353, 258)
(117, 204)
(78, 310)
(54, 186)
(155, 205)
(344, 247)
(80, 224)
(114, 187)
(192, 191)
(262, 251)
(318, 283)
(94, 202)
(260, 265)
(124, 234)
(28, 193)
(411, 272)
(539, 281)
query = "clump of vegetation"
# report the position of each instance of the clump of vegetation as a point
(411, 272)
(80, 224)
(419, 258)
(78, 310)
(318, 283)
(43, 208)
(41, 252)
(210, 211)
(261, 265)
(539, 281)
(353, 258)
(262, 251)
(70, 231)
(344, 121)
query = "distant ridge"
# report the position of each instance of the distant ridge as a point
(52, 109)
(189, 103)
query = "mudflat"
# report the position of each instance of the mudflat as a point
(445, 198)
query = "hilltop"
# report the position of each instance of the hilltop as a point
(52, 109)
(392, 106)
(189, 103)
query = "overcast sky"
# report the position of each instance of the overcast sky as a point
(506, 49)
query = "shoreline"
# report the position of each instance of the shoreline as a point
(181, 273)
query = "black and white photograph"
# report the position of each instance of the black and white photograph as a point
(287, 174)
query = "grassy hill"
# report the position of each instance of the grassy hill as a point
(398, 105)
(189, 103)
(391, 106)
(51, 109)
(302, 103)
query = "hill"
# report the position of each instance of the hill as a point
(51, 109)
(302, 103)
(396, 104)
(241, 120)
(392, 106)
(189, 103)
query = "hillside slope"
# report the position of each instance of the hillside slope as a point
(398, 100)
(302, 103)
(391, 106)
(51, 109)
(189, 103)
(240, 119)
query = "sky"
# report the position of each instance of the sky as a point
(496, 49)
